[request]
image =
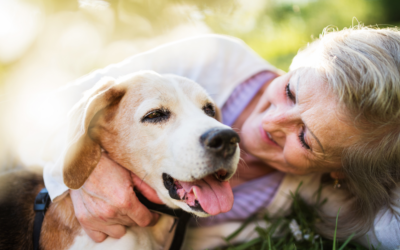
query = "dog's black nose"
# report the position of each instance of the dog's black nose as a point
(221, 142)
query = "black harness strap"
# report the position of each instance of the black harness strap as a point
(42, 201)
(182, 216)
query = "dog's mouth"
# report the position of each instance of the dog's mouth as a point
(211, 194)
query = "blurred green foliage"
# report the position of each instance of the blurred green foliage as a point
(282, 27)
(275, 29)
(293, 231)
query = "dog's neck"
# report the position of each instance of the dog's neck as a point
(60, 226)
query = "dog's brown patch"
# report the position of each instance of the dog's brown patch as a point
(60, 226)
(110, 127)
(81, 159)
(83, 156)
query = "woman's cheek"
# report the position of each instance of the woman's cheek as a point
(273, 95)
(295, 158)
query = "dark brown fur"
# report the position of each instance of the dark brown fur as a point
(18, 190)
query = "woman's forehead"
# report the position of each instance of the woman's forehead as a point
(308, 75)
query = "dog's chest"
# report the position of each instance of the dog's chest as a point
(157, 237)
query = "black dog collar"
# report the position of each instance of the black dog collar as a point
(42, 201)
(181, 215)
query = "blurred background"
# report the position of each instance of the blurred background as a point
(45, 44)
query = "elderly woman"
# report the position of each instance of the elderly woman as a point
(336, 113)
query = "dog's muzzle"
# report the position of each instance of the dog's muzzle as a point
(209, 192)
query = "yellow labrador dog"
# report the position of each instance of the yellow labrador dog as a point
(164, 129)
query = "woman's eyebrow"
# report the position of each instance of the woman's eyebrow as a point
(308, 128)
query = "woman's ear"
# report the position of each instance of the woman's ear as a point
(82, 153)
(338, 175)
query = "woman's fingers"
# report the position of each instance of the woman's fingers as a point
(145, 189)
(128, 212)
(100, 213)
(141, 214)
(115, 231)
(95, 235)
(156, 217)
(84, 217)
(98, 219)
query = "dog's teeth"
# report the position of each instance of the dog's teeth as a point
(195, 195)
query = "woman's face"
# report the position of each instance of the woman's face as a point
(296, 126)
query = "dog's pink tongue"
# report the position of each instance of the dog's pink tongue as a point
(214, 196)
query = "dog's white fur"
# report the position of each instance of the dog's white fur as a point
(110, 118)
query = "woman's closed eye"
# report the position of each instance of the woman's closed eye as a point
(289, 93)
(302, 140)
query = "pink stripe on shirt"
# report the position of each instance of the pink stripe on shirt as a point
(242, 95)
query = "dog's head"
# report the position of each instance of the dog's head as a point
(164, 129)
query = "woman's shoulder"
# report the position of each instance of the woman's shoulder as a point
(385, 232)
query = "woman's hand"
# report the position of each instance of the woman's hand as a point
(106, 203)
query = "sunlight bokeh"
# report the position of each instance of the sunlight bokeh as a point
(44, 44)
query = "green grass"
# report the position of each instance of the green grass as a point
(303, 218)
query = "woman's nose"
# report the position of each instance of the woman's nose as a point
(281, 119)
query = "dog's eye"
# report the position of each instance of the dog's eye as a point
(209, 109)
(155, 116)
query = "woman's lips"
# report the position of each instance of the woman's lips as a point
(266, 138)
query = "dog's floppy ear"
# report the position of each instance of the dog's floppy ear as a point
(83, 153)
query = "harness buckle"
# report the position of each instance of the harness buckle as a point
(42, 201)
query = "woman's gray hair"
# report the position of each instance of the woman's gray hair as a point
(361, 65)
